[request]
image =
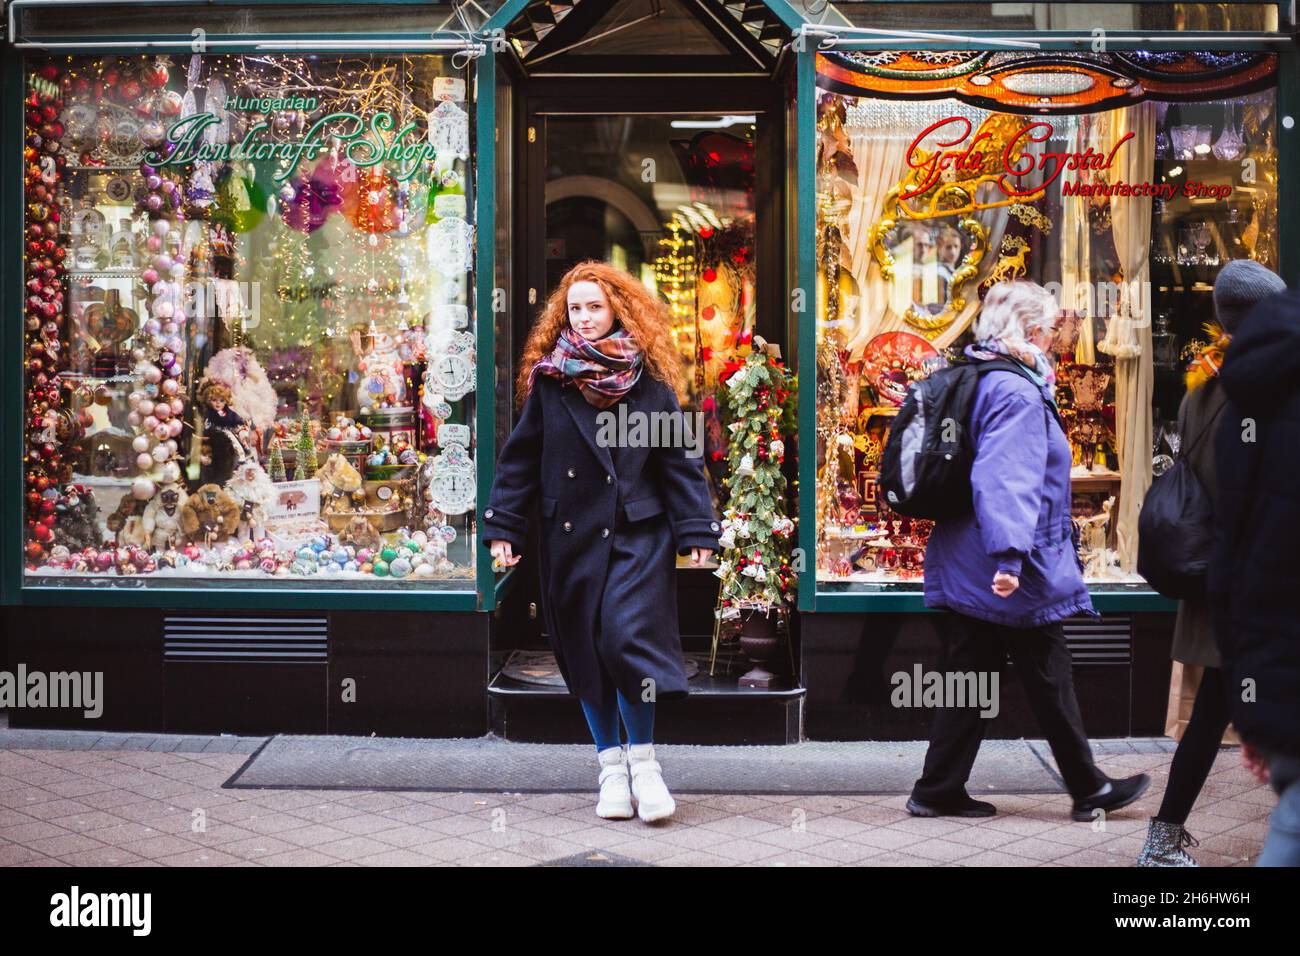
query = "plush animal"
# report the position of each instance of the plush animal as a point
(127, 522)
(162, 517)
(210, 515)
(360, 533)
(339, 484)
(252, 487)
(75, 518)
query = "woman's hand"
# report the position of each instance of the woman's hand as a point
(699, 556)
(1004, 585)
(503, 554)
(1254, 761)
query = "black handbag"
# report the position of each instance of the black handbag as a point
(1176, 528)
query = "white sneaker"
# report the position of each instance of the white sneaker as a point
(653, 801)
(615, 798)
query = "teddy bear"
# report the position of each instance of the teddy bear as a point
(360, 533)
(251, 486)
(162, 517)
(75, 514)
(340, 483)
(210, 515)
(127, 522)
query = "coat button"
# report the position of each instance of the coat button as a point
(572, 473)
(609, 479)
(568, 526)
(488, 513)
(714, 526)
(604, 532)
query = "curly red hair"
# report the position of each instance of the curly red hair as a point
(642, 313)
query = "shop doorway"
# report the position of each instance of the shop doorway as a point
(650, 134)
(680, 192)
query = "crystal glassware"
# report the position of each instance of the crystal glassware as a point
(1229, 145)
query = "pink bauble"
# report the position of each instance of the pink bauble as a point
(133, 400)
(140, 444)
(150, 276)
(175, 427)
(149, 423)
(144, 463)
(153, 374)
(161, 228)
(170, 387)
(133, 419)
(161, 431)
(162, 411)
(152, 326)
(162, 262)
(161, 453)
(171, 445)
(175, 344)
(164, 310)
(146, 406)
(153, 243)
(171, 472)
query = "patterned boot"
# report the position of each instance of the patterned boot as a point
(1164, 846)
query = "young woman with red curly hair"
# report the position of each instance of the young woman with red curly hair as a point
(615, 509)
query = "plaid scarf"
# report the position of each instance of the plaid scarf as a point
(604, 369)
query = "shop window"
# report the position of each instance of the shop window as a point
(1125, 211)
(249, 353)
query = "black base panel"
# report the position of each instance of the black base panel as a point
(124, 645)
(848, 661)
(412, 674)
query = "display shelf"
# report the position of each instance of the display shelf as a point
(1095, 481)
(124, 273)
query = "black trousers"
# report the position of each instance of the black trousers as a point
(1042, 660)
(1197, 749)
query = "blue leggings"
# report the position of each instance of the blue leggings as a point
(638, 718)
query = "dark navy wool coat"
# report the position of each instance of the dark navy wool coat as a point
(608, 537)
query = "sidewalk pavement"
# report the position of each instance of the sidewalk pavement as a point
(78, 799)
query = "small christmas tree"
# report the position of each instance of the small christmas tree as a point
(756, 532)
(277, 462)
(305, 463)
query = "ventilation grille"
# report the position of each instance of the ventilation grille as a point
(1104, 640)
(249, 640)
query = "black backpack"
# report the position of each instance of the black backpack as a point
(925, 467)
(1176, 528)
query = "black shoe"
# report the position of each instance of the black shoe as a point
(1114, 795)
(962, 808)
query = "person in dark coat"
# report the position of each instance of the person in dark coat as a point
(616, 508)
(1253, 580)
(1238, 288)
(1008, 572)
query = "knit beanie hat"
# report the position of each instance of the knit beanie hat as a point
(1241, 284)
